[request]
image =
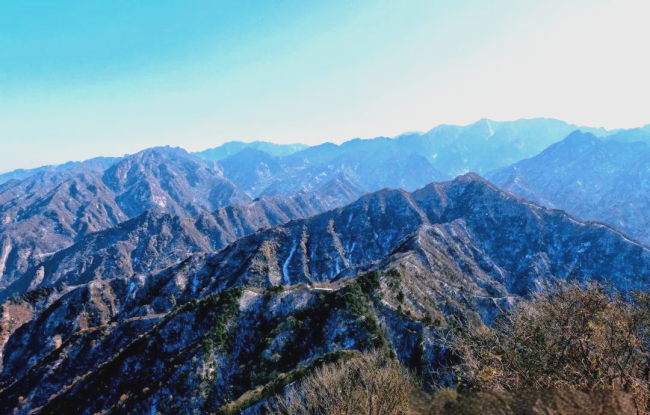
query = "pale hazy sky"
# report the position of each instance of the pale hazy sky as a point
(85, 78)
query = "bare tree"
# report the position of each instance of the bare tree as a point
(572, 337)
(371, 384)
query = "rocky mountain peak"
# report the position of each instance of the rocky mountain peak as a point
(171, 179)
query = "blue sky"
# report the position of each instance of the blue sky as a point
(86, 78)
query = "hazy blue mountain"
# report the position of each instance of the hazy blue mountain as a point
(91, 165)
(233, 147)
(487, 145)
(164, 282)
(632, 135)
(593, 179)
(56, 206)
(367, 164)
(409, 161)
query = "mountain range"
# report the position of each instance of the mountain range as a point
(51, 210)
(409, 161)
(170, 282)
(55, 207)
(602, 180)
(92, 165)
(233, 147)
(204, 333)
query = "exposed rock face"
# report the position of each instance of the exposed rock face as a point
(157, 239)
(151, 241)
(52, 210)
(593, 179)
(201, 333)
(511, 246)
(47, 213)
(171, 179)
(155, 283)
(226, 225)
(57, 206)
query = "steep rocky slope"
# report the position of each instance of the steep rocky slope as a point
(51, 210)
(157, 239)
(171, 179)
(213, 332)
(47, 213)
(593, 179)
(57, 215)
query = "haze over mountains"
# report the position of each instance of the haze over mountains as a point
(173, 282)
(233, 147)
(409, 161)
(603, 180)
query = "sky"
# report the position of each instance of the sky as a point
(80, 79)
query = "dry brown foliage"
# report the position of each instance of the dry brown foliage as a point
(570, 338)
(531, 402)
(372, 384)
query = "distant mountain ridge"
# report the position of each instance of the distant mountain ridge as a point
(604, 180)
(91, 165)
(550, 130)
(233, 147)
(408, 161)
(158, 238)
(632, 135)
(486, 145)
(167, 282)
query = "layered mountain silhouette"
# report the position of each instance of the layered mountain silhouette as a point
(92, 165)
(409, 161)
(200, 335)
(233, 147)
(157, 239)
(55, 207)
(603, 180)
(169, 282)
(632, 135)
